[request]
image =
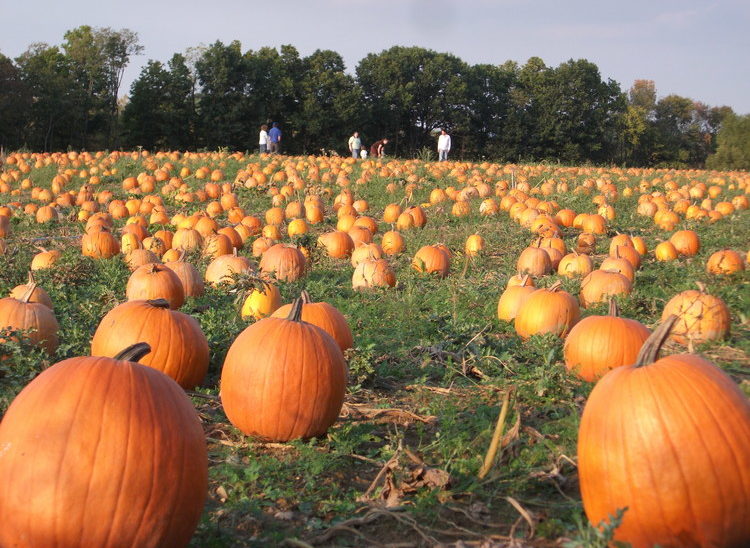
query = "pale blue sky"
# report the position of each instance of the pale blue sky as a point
(697, 49)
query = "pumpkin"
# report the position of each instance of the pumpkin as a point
(45, 259)
(73, 455)
(187, 239)
(22, 315)
(140, 257)
(38, 295)
(512, 299)
(283, 379)
(725, 262)
(597, 344)
(547, 311)
(366, 251)
(686, 242)
(338, 244)
(622, 266)
(373, 271)
(325, 316)
(598, 286)
(216, 245)
(534, 261)
(662, 436)
(99, 244)
(155, 281)
(392, 243)
(518, 279)
(223, 268)
(665, 251)
(700, 317)
(179, 348)
(190, 278)
(285, 261)
(432, 259)
(574, 265)
(261, 302)
(474, 245)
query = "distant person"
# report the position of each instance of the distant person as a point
(263, 139)
(274, 138)
(355, 144)
(444, 145)
(377, 150)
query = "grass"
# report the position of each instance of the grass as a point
(430, 349)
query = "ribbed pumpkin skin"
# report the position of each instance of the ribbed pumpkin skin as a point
(99, 452)
(597, 344)
(15, 314)
(283, 380)
(190, 278)
(670, 441)
(155, 281)
(325, 316)
(546, 311)
(179, 348)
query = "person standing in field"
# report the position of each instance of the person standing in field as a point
(443, 146)
(355, 144)
(377, 150)
(274, 138)
(263, 139)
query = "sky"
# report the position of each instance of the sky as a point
(694, 48)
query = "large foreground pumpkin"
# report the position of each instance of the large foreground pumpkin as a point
(669, 440)
(101, 452)
(283, 379)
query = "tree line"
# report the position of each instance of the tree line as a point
(68, 96)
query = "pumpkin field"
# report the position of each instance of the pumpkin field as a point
(380, 352)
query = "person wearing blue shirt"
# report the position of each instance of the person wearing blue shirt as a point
(274, 139)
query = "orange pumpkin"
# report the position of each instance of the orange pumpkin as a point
(179, 348)
(133, 438)
(547, 311)
(597, 344)
(38, 319)
(325, 316)
(661, 436)
(701, 317)
(283, 379)
(155, 281)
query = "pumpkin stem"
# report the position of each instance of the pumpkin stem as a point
(650, 349)
(305, 296)
(153, 268)
(159, 303)
(614, 310)
(134, 352)
(295, 314)
(31, 278)
(524, 280)
(555, 286)
(30, 288)
(181, 257)
(702, 287)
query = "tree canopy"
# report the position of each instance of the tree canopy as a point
(55, 97)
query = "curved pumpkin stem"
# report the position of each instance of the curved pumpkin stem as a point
(31, 278)
(134, 352)
(650, 349)
(159, 303)
(295, 314)
(614, 310)
(305, 296)
(555, 286)
(181, 256)
(524, 280)
(30, 288)
(702, 287)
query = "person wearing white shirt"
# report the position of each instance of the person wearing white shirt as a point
(263, 139)
(444, 145)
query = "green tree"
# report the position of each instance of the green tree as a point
(47, 75)
(329, 109)
(15, 102)
(146, 116)
(410, 92)
(733, 144)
